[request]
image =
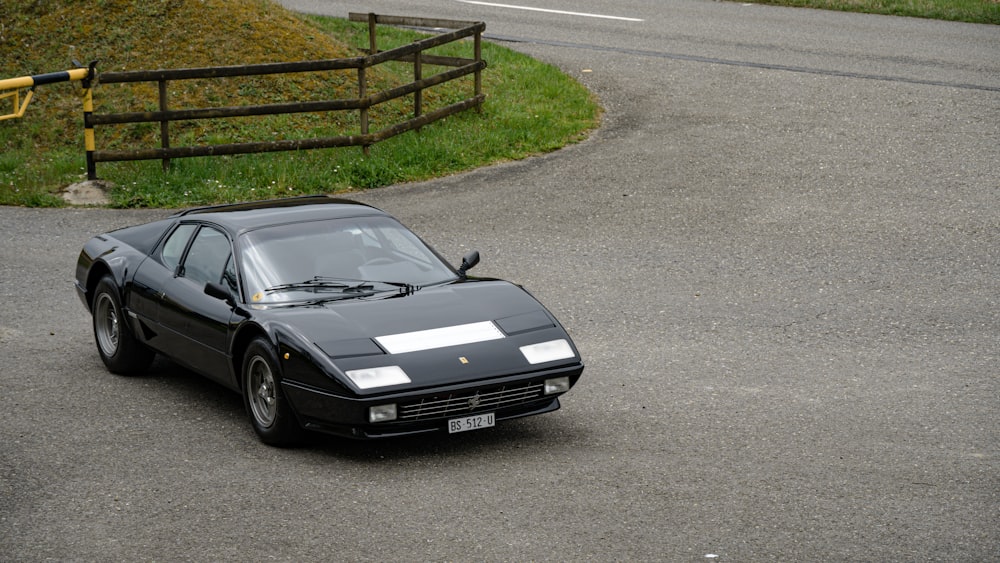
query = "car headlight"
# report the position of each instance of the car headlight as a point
(382, 413)
(377, 377)
(547, 351)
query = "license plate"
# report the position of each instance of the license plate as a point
(474, 422)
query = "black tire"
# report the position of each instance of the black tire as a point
(270, 414)
(119, 349)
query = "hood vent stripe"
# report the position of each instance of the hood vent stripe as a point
(440, 337)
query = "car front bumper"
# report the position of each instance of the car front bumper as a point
(427, 410)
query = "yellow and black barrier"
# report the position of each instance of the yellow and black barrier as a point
(85, 75)
(16, 84)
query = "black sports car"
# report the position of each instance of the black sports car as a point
(327, 315)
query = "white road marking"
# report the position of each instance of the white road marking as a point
(532, 9)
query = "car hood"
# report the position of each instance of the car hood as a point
(438, 335)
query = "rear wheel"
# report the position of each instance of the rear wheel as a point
(119, 349)
(270, 414)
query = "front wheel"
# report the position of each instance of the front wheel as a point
(270, 414)
(119, 349)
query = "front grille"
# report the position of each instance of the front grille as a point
(456, 404)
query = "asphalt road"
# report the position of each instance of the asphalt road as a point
(779, 256)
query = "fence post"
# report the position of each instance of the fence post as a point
(165, 124)
(362, 93)
(88, 120)
(418, 75)
(478, 43)
(362, 86)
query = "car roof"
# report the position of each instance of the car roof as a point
(251, 215)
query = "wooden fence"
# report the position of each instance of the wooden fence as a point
(413, 53)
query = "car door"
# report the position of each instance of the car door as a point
(196, 327)
(146, 290)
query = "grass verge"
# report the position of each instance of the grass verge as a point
(531, 108)
(970, 11)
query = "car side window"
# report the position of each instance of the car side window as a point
(206, 260)
(229, 277)
(173, 249)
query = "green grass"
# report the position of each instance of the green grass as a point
(531, 108)
(971, 11)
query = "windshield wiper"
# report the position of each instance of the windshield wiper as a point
(323, 282)
(345, 285)
(405, 288)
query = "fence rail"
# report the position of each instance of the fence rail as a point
(412, 53)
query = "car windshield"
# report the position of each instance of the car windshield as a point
(336, 259)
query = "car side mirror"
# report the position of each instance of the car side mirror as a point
(221, 292)
(468, 262)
